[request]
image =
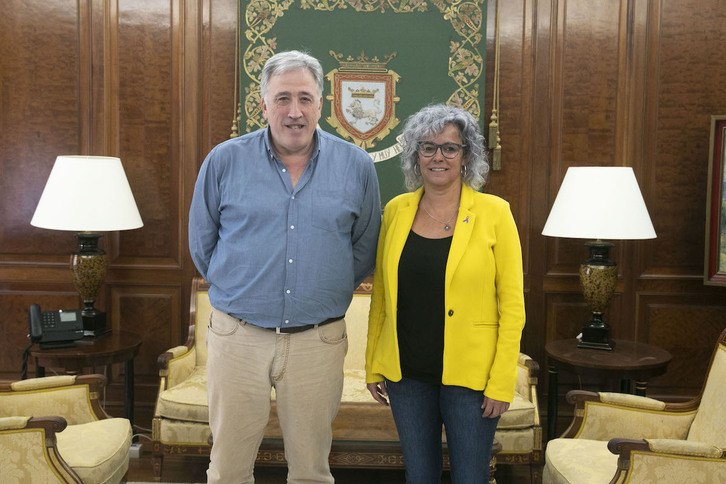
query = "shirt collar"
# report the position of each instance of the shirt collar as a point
(271, 152)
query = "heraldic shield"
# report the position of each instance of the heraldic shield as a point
(363, 99)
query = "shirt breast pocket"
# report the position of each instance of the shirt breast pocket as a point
(332, 211)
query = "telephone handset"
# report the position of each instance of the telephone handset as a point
(55, 329)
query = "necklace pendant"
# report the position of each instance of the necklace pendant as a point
(447, 227)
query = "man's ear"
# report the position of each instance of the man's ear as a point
(263, 105)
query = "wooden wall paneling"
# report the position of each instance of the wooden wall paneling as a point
(689, 92)
(515, 182)
(636, 133)
(145, 71)
(587, 92)
(220, 100)
(536, 125)
(39, 118)
(154, 313)
(687, 326)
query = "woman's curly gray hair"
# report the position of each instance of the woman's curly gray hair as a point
(429, 122)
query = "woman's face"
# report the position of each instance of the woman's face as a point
(438, 170)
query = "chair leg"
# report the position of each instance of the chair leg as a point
(536, 473)
(492, 470)
(156, 463)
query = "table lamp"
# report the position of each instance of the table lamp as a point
(599, 203)
(88, 194)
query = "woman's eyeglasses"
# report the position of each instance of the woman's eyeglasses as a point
(428, 149)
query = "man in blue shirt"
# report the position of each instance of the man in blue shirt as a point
(283, 226)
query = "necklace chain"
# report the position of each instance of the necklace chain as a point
(446, 224)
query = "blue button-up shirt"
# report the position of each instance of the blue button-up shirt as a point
(275, 255)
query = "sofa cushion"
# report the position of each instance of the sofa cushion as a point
(515, 441)
(188, 400)
(564, 462)
(175, 432)
(519, 416)
(354, 387)
(97, 449)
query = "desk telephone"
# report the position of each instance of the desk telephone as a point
(55, 329)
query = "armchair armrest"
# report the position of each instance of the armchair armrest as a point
(604, 416)
(527, 374)
(625, 447)
(28, 449)
(75, 398)
(52, 425)
(527, 379)
(175, 365)
(649, 460)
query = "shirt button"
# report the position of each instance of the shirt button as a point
(293, 197)
(292, 227)
(287, 321)
(289, 260)
(284, 170)
(288, 291)
(451, 312)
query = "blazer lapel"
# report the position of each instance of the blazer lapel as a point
(462, 232)
(396, 237)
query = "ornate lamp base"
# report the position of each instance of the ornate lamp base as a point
(598, 276)
(596, 335)
(89, 265)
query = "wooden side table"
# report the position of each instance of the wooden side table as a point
(629, 361)
(107, 349)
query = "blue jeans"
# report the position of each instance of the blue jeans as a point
(419, 410)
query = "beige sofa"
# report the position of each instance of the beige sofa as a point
(364, 434)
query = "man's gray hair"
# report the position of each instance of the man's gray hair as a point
(288, 61)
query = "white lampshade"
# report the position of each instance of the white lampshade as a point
(87, 194)
(602, 202)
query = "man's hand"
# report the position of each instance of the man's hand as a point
(378, 391)
(492, 408)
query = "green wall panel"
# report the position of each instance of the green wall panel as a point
(436, 50)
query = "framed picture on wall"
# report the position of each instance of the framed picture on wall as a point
(715, 262)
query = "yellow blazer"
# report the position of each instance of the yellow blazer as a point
(484, 297)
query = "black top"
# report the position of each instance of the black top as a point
(421, 278)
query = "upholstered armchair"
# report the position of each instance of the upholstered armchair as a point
(617, 438)
(54, 429)
(180, 425)
(519, 431)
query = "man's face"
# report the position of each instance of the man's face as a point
(292, 108)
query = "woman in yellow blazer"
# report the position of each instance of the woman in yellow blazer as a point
(447, 309)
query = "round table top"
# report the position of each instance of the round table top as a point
(106, 349)
(626, 356)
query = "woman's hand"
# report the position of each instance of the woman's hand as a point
(378, 391)
(492, 408)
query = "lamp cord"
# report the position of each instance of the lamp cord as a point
(24, 368)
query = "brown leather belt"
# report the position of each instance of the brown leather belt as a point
(300, 329)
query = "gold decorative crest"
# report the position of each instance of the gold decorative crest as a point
(363, 99)
(260, 16)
